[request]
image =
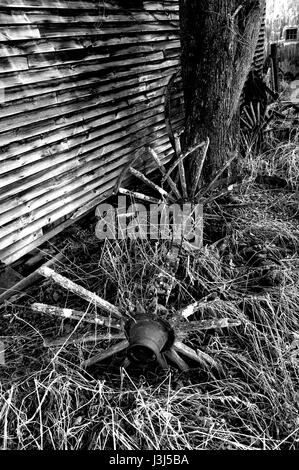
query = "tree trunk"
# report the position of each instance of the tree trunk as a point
(218, 42)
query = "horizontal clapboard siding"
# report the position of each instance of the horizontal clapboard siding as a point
(84, 85)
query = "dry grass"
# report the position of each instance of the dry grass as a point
(281, 161)
(249, 262)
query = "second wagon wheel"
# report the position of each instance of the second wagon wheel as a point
(253, 125)
(150, 332)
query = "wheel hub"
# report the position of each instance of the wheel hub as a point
(148, 339)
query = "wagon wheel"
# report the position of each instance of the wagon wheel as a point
(252, 125)
(143, 338)
(151, 332)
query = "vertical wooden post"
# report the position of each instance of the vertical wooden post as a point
(274, 68)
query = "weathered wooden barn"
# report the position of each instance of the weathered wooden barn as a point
(82, 86)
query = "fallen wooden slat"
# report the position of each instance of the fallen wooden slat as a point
(28, 281)
(106, 354)
(72, 314)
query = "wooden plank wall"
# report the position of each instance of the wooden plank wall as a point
(81, 88)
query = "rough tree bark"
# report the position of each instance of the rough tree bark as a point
(218, 42)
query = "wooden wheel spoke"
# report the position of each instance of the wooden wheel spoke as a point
(253, 114)
(199, 167)
(162, 361)
(181, 159)
(220, 173)
(183, 180)
(115, 349)
(246, 123)
(199, 356)
(178, 150)
(71, 314)
(174, 357)
(171, 183)
(138, 155)
(80, 291)
(65, 340)
(193, 308)
(142, 197)
(150, 183)
(209, 324)
(258, 112)
(249, 118)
